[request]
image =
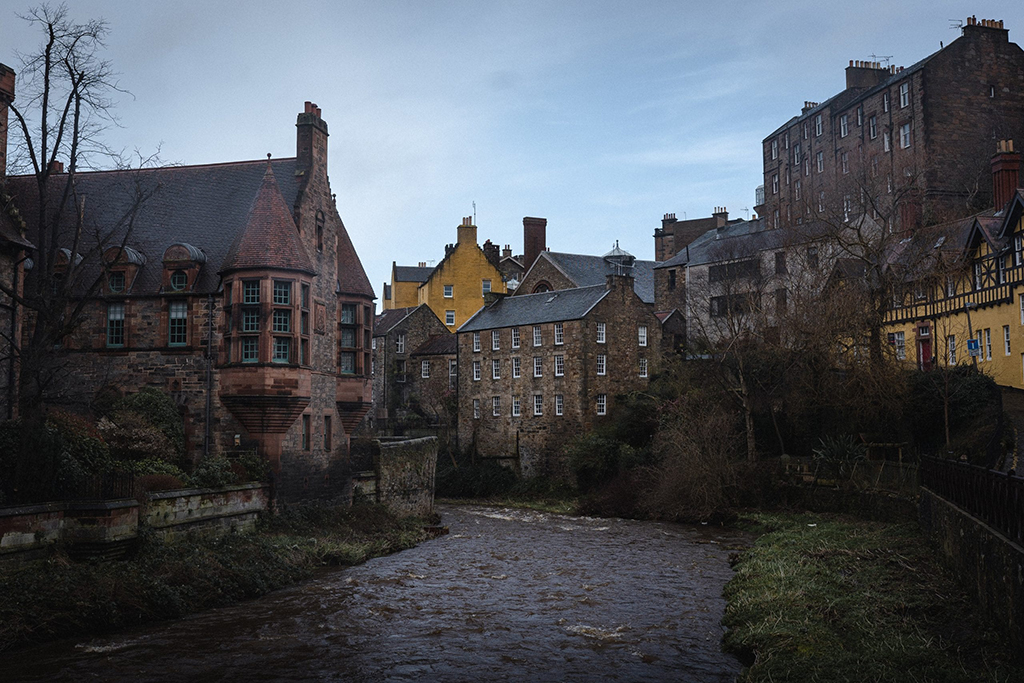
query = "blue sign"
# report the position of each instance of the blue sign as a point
(973, 347)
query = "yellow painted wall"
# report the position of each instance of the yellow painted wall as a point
(403, 294)
(465, 269)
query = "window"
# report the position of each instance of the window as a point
(177, 323)
(496, 406)
(305, 432)
(950, 286)
(516, 411)
(904, 95)
(602, 404)
(536, 335)
(538, 404)
(886, 144)
(348, 337)
(885, 101)
(282, 293)
(476, 371)
(796, 155)
(486, 286)
(495, 369)
(559, 365)
(449, 318)
(600, 332)
(899, 342)
(988, 343)
(817, 125)
(775, 183)
(250, 292)
(348, 314)
(282, 349)
(1022, 309)
(515, 337)
(425, 369)
(821, 201)
(476, 409)
(250, 349)
(951, 348)
(796, 190)
(250, 320)
(179, 280)
(643, 367)
(320, 231)
(495, 340)
(873, 127)
(671, 279)
(905, 136)
(476, 341)
(785, 140)
(1001, 268)
(860, 116)
(538, 367)
(283, 322)
(780, 263)
(347, 364)
(115, 324)
(977, 276)
(559, 334)
(304, 325)
(844, 126)
(400, 371)
(1018, 250)
(775, 149)
(115, 281)
(453, 373)
(516, 368)
(641, 333)
(559, 404)
(449, 291)
(602, 364)
(1006, 340)
(328, 433)
(844, 160)
(819, 159)
(305, 296)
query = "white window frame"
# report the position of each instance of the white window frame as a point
(476, 342)
(449, 291)
(643, 367)
(559, 365)
(602, 364)
(515, 337)
(517, 368)
(601, 330)
(1022, 309)
(641, 333)
(872, 127)
(988, 343)
(775, 183)
(844, 161)
(495, 340)
(844, 126)
(538, 366)
(951, 349)
(476, 409)
(449, 318)
(400, 344)
(538, 337)
(1018, 250)
(559, 334)
(476, 371)
(559, 404)
(602, 404)
(538, 405)
(485, 286)
(904, 95)
(1006, 340)
(885, 101)
(425, 369)
(495, 368)
(516, 407)
(496, 406)
(905, 136)
(886, 142)
(817, 126)
(820, 162)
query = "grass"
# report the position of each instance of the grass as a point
(58, 598)
(832, 598)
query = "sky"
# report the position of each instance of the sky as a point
(599, 116)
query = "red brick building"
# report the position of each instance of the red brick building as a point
(932, 126)
(237, 290)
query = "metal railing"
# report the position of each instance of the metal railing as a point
(996, 498)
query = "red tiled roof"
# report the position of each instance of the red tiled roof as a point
(351, 276)
(270, 238)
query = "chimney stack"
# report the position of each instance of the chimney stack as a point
(721, 216)
(534, 239)
(491, 252)
(862, 74)
(466, 232)
(311, 143)
(506, 251)
(1005, 174)
(6, 97)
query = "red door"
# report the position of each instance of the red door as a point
(924, 354)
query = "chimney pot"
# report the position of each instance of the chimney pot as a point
(1005, 173)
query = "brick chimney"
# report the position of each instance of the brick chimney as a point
(534, 239)
(506, 251)
(6, 97)
(1005, 174)
(491, 251)
(311, 142)
(721, 216)
(862, 74)
(467, 232)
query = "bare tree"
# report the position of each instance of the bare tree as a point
(65, 102)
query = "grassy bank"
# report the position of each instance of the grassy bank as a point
(831, 598)
(58, 598)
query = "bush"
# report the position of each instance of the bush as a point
(254, 467)
(595, 459)
(132, 437)
(836, 456)
(152, 466)
(160, 411)
(214, 472)
(467, 480)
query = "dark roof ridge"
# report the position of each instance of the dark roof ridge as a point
(169, 167)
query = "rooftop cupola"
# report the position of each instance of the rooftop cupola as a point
(621, 259)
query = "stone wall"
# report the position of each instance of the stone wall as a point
(405, 476)
(988, 563)
(177, 514)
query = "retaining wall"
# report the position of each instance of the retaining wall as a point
(405, 476)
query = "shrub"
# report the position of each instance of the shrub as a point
(595, 459)
(132, 437)
(254, 467)
(214, 472)
(152, 466)
(160, 411)
(836, 456)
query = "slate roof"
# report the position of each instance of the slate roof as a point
(205, 206)
(412, 273)
(742, 240)
(534, 309)
(388, 319)
(587, 271)
(438, 345)
(270, 238)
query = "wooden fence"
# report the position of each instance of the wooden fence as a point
(994, 497)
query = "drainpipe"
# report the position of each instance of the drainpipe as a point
(209, 372)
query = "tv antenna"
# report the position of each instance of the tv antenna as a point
(956, 24)
(474, 213)
(881, 58)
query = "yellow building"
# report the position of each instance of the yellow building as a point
(454, 289)
(981, 298)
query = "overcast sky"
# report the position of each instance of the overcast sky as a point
(599, 116)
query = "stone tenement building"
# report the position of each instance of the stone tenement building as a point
(552, 271)
(238, 291)
(931, 126)
(674, 235)
(404, 339)
(536, 370)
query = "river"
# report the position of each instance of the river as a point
(507, 595)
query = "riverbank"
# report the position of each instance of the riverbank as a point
(59, 598)
(834, 598)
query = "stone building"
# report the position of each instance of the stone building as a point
(237, 290)
(399, 335)
(455, 288)
(553, 271)
(927, 129)
(405, 283)
(673, 235)
(536, 370)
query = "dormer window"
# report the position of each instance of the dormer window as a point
(123, 264)
(179, 280)
(115, 282)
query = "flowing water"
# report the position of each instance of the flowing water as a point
(508, 595)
